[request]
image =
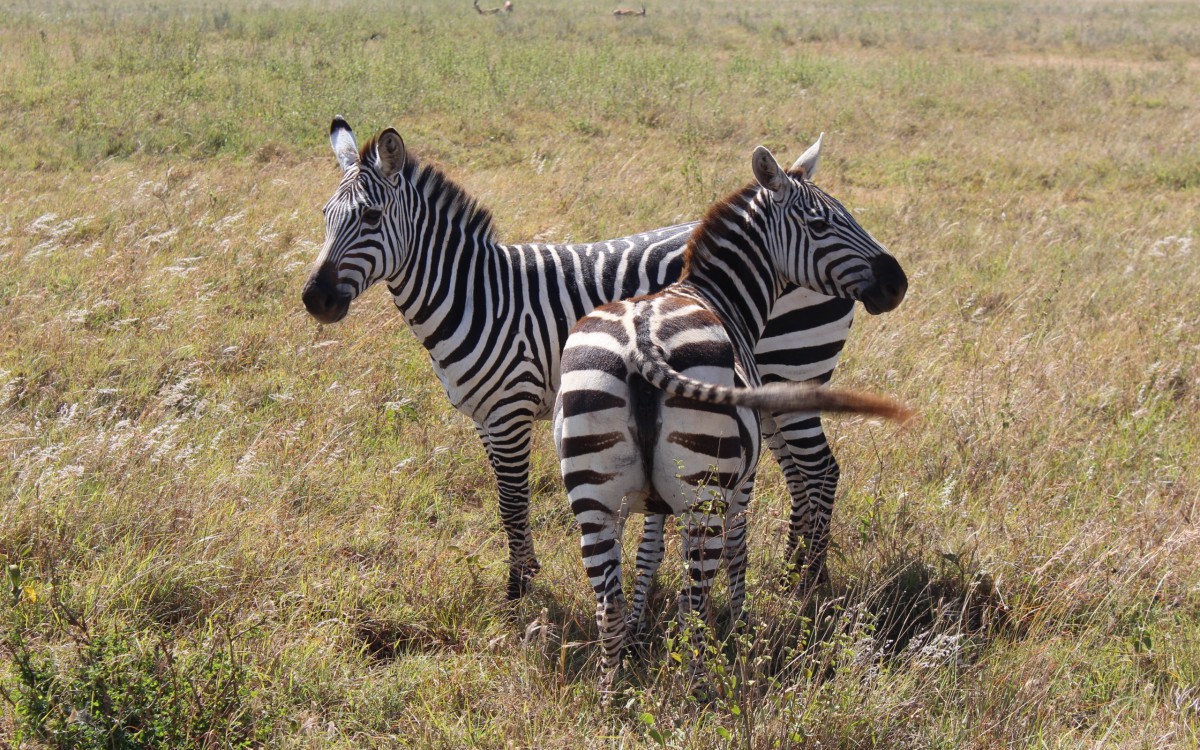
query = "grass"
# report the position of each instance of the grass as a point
(227, 525)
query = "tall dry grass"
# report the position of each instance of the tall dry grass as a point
(229, 525)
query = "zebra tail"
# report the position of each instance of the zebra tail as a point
(651, 363)
(789, 396)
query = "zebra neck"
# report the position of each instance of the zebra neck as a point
(737, 286)
(728, 264)
(448, 270)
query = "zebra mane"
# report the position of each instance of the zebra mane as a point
(724, 212)
(449, 197)
(720, 215)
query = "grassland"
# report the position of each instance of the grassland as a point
(226, 525)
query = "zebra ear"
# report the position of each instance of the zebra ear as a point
(806, 165)
(341, 137)
(389, 149)
(767, 171)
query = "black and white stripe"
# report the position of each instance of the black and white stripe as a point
(494, 317)
(658, 411)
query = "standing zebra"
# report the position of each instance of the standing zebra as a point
(658, 408)
(494, 318)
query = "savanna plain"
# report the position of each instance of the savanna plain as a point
(225, 525)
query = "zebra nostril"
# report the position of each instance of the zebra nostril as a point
(314, 300)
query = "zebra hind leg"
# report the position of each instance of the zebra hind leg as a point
(601, 547)
(649, 558)
(610, 622)
(735, 550)
(703, 546)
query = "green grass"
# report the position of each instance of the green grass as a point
(230, 525)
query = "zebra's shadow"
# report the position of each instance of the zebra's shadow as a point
(915, 607)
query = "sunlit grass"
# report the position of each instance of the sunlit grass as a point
(188, 461)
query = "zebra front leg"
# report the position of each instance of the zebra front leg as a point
(508, 444)
(823, 488)
(812, 472)
(649, 557)
(797, 491)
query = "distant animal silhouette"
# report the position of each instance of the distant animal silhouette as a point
(630, 11)
(507, 8)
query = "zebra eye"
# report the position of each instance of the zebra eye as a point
(817, 222)
(372, 216)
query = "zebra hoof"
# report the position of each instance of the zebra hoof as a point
(516, 589)
(702, 692)
(637, 642)
(802, 579)
(607, 693)
(520, 579)
(821, 577)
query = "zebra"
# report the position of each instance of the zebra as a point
(494, 318)
(658, 406)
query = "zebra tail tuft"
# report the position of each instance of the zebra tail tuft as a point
(652, 365)
(790, 396)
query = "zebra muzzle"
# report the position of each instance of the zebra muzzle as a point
(889, 288)
(322, 298)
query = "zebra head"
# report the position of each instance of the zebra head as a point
(815, 241)
(363, 223)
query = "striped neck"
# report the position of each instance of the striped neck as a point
(446, 238)
(727, 264)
